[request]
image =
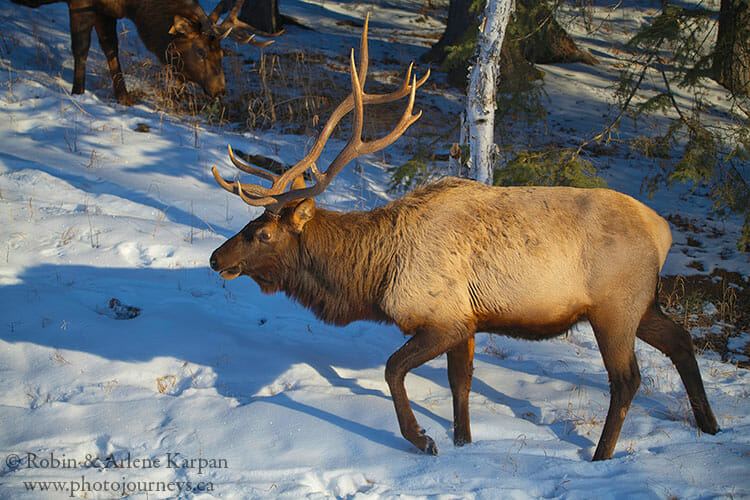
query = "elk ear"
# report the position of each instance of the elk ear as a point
(302, 213)
(182, 26)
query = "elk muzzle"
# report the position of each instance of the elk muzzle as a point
(228, 272)
(215, 86)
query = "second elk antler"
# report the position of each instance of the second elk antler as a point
(239, 31)
(275, 197)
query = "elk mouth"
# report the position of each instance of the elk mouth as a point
(228, 273)
(231, 273)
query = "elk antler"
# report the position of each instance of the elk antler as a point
(236, 29)
(275, 197)
(217, 12)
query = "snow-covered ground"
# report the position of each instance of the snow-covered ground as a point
(216, 391)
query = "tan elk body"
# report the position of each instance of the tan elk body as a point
(457, 257)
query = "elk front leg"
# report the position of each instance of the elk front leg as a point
(82, 18)
(422, 347)
(106, 30)
(460, 369)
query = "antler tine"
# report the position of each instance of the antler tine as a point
(221, 8)
(364, 53)
(207, 25)
(250, 169)
(250, 193)
(359, 118)
(239, 188)
(235, 10)
(400, 92)
(230, 22)
(259, 195)
(218, 11)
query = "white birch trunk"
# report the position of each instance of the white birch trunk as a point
(480, 96)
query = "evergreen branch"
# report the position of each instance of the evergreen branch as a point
(606, 19)
(625, 106)
(739, 103)
(739, 175)
(671, 96)
(536, 30)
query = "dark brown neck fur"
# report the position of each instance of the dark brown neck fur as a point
(344, 259)
(153, 21)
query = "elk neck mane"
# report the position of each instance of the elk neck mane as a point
(346, 259)
(343, 258)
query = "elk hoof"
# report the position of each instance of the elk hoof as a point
(426, 444)
(712, 429)
(707, 423)
(431, 448)
(460, 441)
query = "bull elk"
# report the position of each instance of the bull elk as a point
(177, 31)
(457, 257)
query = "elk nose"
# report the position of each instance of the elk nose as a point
(213, 261)
(216, 89)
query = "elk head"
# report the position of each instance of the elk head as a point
(267, 246)
(196, 49)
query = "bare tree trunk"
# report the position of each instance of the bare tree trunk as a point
(480, 96)
(262, 14)
(460, 19)
(539, 39)
(731, 64)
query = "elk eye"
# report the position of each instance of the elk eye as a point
(201, 53)
(264, 235)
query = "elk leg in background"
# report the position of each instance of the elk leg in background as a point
(670, 338)
(82, 19)
(460, 369)
(106, 30)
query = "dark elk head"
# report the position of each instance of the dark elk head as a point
(196, 50)
(266, 249)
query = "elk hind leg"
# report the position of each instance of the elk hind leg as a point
(616, 339)
(670, 338)
(460, 369)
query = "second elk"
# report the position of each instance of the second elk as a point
(457, 257)
(178, 32)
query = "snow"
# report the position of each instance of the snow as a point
(244, 395)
